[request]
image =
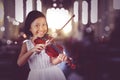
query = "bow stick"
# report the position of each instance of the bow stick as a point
(60, 29)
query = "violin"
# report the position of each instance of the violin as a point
(52, 49)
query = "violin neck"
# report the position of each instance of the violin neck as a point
(56, 48)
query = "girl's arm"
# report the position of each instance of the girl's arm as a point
(59, 59)
(24, 55)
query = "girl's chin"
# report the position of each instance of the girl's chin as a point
(40, 36)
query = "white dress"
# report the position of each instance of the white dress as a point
(41, 68)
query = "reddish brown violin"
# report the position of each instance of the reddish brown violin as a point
(53, 49)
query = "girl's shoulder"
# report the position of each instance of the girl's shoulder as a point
(26, 40)
(27, 43)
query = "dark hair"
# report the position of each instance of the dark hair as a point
(29, 19)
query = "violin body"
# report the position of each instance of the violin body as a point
(53, 49)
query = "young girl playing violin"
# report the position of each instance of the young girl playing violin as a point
(42, 66)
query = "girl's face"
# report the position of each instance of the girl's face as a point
(39, 27)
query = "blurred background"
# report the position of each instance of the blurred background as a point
(91, 38)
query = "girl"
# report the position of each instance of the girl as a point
(42, 66)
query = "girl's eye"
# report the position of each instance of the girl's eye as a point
(37, 25)
(44, 24)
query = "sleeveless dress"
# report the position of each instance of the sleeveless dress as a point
(41, 68)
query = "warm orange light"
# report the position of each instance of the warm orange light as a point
(57, 18)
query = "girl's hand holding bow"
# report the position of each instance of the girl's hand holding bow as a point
(62, 57)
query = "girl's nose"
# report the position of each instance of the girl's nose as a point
(40, 28)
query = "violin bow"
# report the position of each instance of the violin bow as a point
(49, 41)
(61, 28)
(65, 24)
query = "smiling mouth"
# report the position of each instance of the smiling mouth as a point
(41, 33)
